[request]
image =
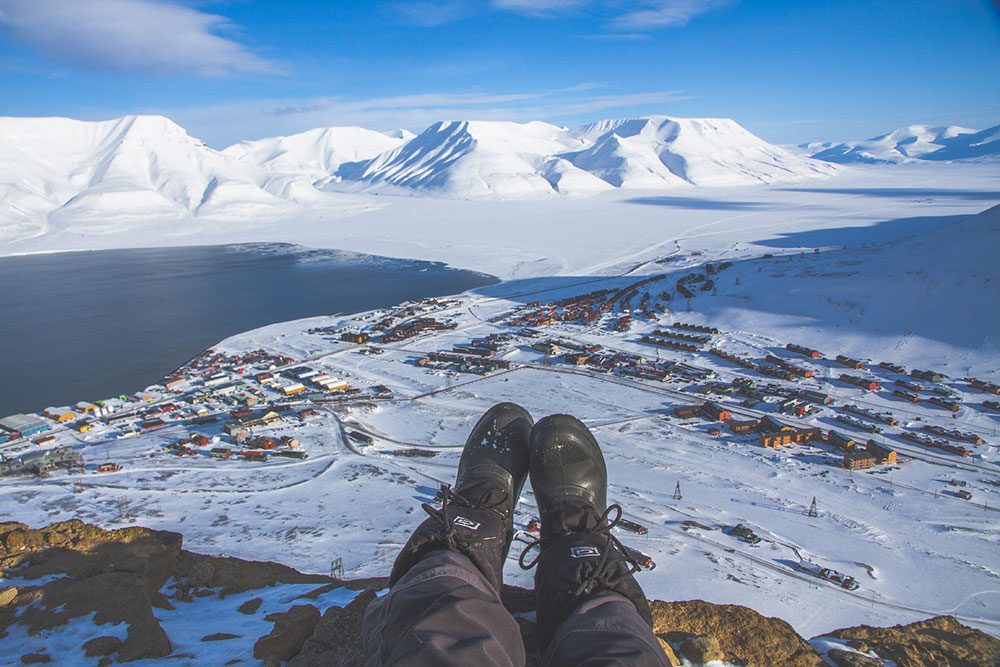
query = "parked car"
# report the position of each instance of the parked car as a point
(842, 580)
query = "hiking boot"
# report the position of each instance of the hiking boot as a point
(476, 518)
(578, 556)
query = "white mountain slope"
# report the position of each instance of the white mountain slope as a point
(316, 153)
(914, 142)
(471, 159)
(985, 144)
(699, 151)
(59, 172)
(474, 159)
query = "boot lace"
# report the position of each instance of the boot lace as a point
(446, 521)
(605, 575)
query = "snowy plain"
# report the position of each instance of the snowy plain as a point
(902, 274)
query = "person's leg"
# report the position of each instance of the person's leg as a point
(443, 611)
(590, 609)
(443, 607)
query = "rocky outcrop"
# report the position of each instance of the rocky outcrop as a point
(741, 635)
(843, 658)
(110, 574)
(116, 575)
(291, 629)
(936, 642)
(99, 646)
(336, 641)
(119, 576)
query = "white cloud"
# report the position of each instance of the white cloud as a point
(537, 6)
(147, 36)
(626, 18)
(651, 14)
(431, 13)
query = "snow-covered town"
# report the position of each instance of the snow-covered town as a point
(766, 470)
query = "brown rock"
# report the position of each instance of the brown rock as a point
(35, 658)
(160, 601)
(219, 636)
(182, 593)
(201, 573)
(250, 606)
(668, 650)
(336, 641)
(842, 658)
(931, 643)
(234, 575)
(78, 549)
(360, 603)
(104, 662)
(702, 648)
(744, 636)
(7, 595)
(291, 629)
(112, 598)
(101, 646)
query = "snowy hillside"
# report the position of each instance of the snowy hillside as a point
(59, 172)
(914, 142)
(658, 150)
(921, 298)
(316, 153)
(482, 159)
(470, 159)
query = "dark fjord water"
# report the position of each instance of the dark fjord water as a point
(91, 325)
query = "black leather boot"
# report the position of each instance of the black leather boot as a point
(476, 518)
(579, 557)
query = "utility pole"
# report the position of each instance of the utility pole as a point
(677, 491)
(337, 568)
(813, 512)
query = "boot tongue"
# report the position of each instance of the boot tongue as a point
(569, 517)
(484, 492)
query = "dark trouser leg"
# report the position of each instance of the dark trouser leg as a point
(443, 611)
(605, 630)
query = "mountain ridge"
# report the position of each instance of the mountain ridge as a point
(61, 171)
(912, 143)
(471, 159)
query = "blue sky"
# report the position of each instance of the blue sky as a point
(789, 70)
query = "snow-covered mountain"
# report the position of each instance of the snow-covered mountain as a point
(914, 142)
(58, 171)
(470, 159)
(316, 153)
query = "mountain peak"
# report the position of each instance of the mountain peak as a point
(914, 142)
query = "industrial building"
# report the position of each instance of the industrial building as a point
(26, 425)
